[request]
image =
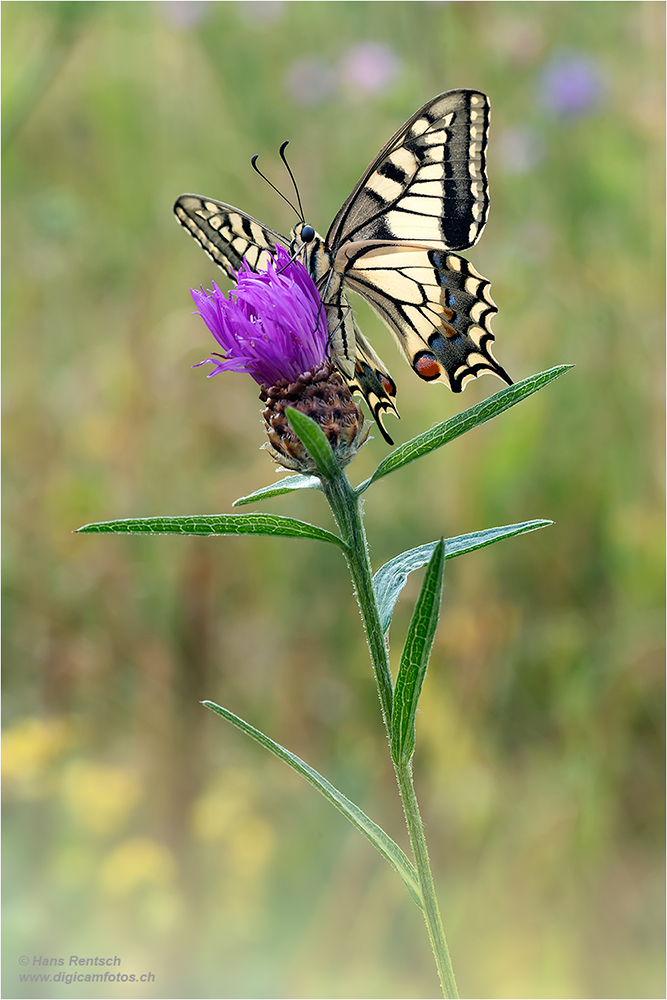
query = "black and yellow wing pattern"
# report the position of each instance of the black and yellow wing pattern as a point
(227, 234)
(423, 197)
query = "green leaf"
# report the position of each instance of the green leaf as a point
(217, 524)
(449, 429)
(390, 579)
(315, 442)
(389, 850)
(415, 657)
(286, 485)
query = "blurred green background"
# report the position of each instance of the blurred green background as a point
(136, 823)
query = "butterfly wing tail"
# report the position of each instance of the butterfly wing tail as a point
(372, 380)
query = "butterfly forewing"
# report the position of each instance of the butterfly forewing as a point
(227, 234)
(428, 185)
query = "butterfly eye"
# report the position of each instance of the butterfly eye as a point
(307, 234)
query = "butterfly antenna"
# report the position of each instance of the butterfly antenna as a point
(253, 160)
(289, 171)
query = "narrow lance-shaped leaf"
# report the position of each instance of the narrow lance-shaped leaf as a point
(315, 441)
(415, 657)
(391, 578)
(286, 485)
(217, 524)
(389, 850)
(449, 429)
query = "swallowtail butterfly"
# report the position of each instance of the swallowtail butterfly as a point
(424, 196)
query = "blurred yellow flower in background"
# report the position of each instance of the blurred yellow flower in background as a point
(99, 798)
(143, 871)
(226, 817)
(28, 747)
(137, 863)
(219, 809)
(227, 813)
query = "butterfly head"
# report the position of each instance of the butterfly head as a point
(309, 247)
(301, 236)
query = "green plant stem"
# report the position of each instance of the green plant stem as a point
(431, 911)
(346, 508)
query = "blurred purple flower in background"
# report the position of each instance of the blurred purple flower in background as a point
(571, 84)
(369, 68)
(272, 325)
(363, 70)
(310, 81)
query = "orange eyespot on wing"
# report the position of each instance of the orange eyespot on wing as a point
(388, 384)
(427, 367)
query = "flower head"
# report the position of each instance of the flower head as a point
(271, 326)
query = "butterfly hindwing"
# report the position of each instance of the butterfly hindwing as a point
(428, 185)
(226, 234)
(435, 303)
(374, 382)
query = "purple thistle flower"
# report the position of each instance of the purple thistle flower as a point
(271, 326)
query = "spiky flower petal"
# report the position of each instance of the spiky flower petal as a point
(272, 325)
